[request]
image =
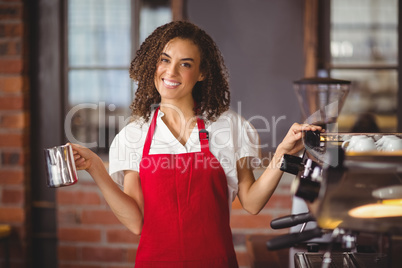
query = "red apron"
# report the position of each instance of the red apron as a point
(186, 212)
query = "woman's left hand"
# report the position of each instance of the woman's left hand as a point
(292, 143)
(84, 157)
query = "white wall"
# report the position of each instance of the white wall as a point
(262, 43)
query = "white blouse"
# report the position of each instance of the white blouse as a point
(231, 138)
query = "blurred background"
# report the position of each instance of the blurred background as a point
(64, 77)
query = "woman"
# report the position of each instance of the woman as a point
(183, 163)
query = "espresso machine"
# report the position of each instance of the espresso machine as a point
(353, 194)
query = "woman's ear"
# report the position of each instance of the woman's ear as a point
(201, 77)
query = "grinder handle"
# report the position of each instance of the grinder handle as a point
(288, 240)
(291, 164)
(291, 220)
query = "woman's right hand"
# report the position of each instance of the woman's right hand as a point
(84, 157)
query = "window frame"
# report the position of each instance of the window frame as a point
(317, 53)
(178, 9)
(134, 37)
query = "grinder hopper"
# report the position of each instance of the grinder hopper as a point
(321, 99)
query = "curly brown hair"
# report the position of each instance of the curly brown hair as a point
(211, 95)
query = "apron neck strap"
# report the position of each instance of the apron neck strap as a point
(150, 134)
(203, 135)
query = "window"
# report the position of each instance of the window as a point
(363, 48)
(102, 38)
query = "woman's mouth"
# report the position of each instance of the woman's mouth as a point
(170, 83)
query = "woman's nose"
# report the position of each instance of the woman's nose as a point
(172, 69)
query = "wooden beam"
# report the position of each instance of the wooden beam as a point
(399, 95)
(179, 9)
(310, 37)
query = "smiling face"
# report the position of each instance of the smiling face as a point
(178, 70)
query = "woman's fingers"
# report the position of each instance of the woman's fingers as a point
(81, 156)
(296, 129)
(307, 127)
(81, 150)
(292, 142)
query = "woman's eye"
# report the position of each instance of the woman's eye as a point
(164, 60)
(188, 65)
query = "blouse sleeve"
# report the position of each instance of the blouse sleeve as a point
(126, 152)
(232, 138)
(247, 142)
